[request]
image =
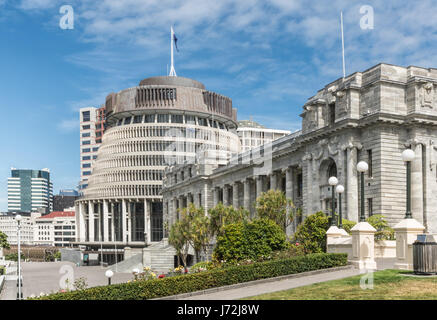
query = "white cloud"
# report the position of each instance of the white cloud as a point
(69, 125)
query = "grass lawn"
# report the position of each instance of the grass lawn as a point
(387, 285)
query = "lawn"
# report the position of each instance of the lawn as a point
(387, 285)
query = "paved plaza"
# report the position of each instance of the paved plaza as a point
(46, 276)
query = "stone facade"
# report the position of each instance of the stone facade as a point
(369, 116)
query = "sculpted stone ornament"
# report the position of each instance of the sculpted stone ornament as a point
(427, 94)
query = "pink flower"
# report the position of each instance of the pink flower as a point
(297, 243)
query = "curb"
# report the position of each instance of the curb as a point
(255, 282)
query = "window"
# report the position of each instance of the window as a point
(138, 119)
(332, 113)
(99, 126)
(86, 150)
(95, 149)
(370, 162)
(120, 122)
(99, 134)
(98, 140)
(163, 118)
(190, 120)
(127, 120)
(86, 134)
(86, 142)
(87, 173)
(86, 116)
(86, 127)
(370, 206)
(177, 118)
(86, 158)
(202, 122)
(86, 165)
(94, 157)
(150, 118)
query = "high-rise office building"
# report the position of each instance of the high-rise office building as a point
(30, 191)
(92, 126)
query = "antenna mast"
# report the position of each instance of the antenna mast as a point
(342, 44)
(172, 70)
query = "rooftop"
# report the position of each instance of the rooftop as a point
(58, 214)
(172, 81)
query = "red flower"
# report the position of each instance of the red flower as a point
(186, 270)
(297, 243)
(161, 276)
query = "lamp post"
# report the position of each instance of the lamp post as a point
(18, 218)
(408, 156)
(109, 275)
(362, 167)
(333, 181)
(340, 190)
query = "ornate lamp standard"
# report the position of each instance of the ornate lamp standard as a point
(333, 181)
(109, 275)
(408, 156)
(340, 190)
(18, 218)
(362, 167)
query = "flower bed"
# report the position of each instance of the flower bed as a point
(149, 289)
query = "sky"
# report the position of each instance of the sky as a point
(268, 56)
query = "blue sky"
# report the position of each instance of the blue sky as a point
(268, 56)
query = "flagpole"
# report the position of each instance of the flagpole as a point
(172, 70)
(342, 45)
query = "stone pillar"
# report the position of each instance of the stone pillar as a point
(363, 246)
(105, 221)
(123, 220)
(351, 185)
(273, 181)
(215, 196)
(259, 185)
(91, 221)
(112, 222)
(289, 195)
(246, 197)
(406, 232)
(147, 226)
(309, 183)
(417, 185)
(130, 222)
(226, 195)
(81, 222)
(235, 202)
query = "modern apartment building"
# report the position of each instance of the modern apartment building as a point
(252, 134)
(92, 126)
(30, 190)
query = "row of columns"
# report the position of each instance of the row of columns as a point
(126, 220)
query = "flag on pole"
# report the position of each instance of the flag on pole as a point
(175, 41)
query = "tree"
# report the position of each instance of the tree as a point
(178, 241)
(275, 206)
(4, 241)
(220, 216)
(249, 240)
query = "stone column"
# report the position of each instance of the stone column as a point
(81, 222)
(351, 212)
(273, 181)
(289, 195)
(246, 197)
(215, 196)
(308, 204)
(105, 221)
(363, 246)
(259, 185)
(406, 232)
(130, 222)
(112, 222)
(123, 220)
(235, 202)
(147, 226)
(226, 195)
(417, 185)
(91, 221)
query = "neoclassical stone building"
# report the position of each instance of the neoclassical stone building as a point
(160, 122)
(369, 116)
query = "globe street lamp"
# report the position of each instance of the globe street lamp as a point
(362, 167)
(340, 190)
(109, 275)
(408, 156)
(333, 181)
(18, 218)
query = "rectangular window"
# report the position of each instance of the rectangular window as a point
(332, 113)
(86, 165)
(86, 116)
(86, 127)
(86, 150)
(86, 142)
(87, 173)
(370, 162)
(127, 120)
(95, 149)
(150, 118)
(98, 126)
(94, 157)
(370, 206)
(98, 140)
(86, 158)
(86, 134)
(138, 119)
(202, 122)
(190, 120)
(163, 118)
(177, 118)
(99, 134)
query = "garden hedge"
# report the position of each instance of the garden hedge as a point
(156, 288)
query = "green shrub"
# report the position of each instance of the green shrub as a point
(311, 234)
(249, 241)
(201, 266)
(348, 225)
(14, 256)
(156, 288)
(383, 231)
